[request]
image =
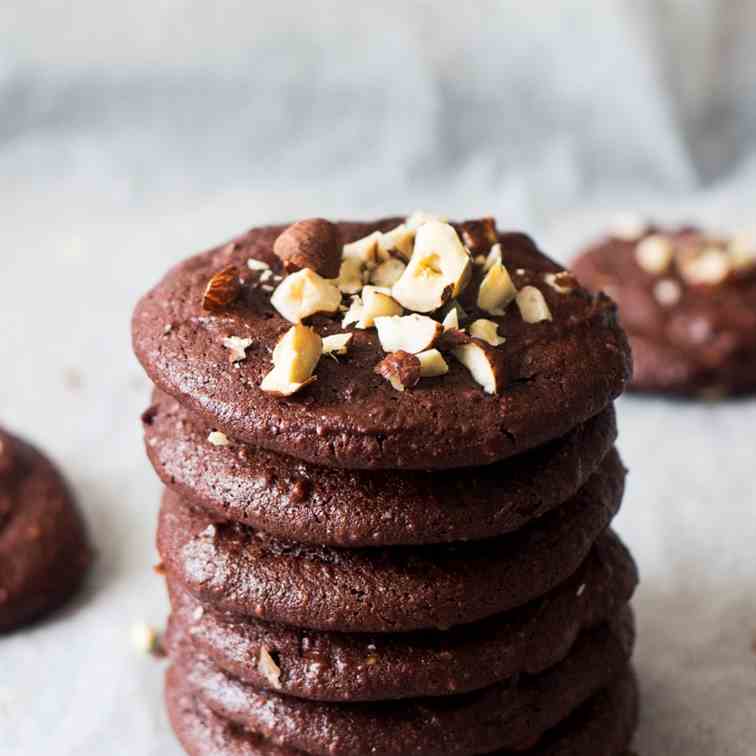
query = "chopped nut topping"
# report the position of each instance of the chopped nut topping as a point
(432, 363)
(400, 369)
(654, 253)
(563, 282)
(303, 294)
(667, 292)
(479, 235)
(388, 272)
(222, 289)
(410, 333)
(294, 360)
(485, 363)
(420, 218)
(237, 348)
(268, 668)
(376, 302)
(350, 280)
(399, 240)
(486, 330)
(533, 307)
(438, 270)
(496, 290)
(314, 244)
(337, 344)
(216, 438)
(707, 268)
(366, 250)
(451, 319)
(260, 265)
(493, 257)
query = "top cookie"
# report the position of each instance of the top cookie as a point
(687, 300)
(206, 333)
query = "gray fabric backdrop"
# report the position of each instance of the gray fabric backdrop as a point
(134, 133)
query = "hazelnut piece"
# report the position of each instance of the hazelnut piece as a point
(496, 290)
(387, 273)
(400, 369)
(485, 363)
(314, 244)
(479, 235)
(654, 254)
(432, 363)
(438, 270)
(533, 307)
(486, 330)
(222, 289)
(336, 344)
(410, 333)
(294, 360)
(305, 293)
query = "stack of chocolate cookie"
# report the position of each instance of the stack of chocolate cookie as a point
(390, 467)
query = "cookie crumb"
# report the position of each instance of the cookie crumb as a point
(268, 668)
(237, 347)
(146, 639)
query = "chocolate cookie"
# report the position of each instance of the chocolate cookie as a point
(366, 666)
(43, 545)
(235, 568)
(687, 302)
(301, 502)
(559, 371)
(513, 714)
(601, 727)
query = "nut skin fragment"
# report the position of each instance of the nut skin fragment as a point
(303, 294)
(532, 305)
(401, 369)
(452, 338)
(479, 235)
(410, 333)
(486, 330)
(439, 269)
(314, 243)
(222, 289)
(485, 363)
(496, 290)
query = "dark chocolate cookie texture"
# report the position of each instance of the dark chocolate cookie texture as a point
(43, 545)
(299, 501)
(688, 302)
(549, 357)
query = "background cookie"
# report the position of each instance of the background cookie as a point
(686, 300)
(512, 714)
(369, 666)
(235, 568)
(560, 371)
(43, 547)
(302, 502)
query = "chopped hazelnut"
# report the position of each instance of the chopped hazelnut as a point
(479, 235)
(376, 302)
(432, 363)
(294, 360)
(486, 330)
(314, 244)
(237, 347)
(438, 270)
(707, 268)
(222, 289)
(410, 333)
(496, 290)
(533, 307)
(336, 344)
(303, 294)
(667, 292)
(654, 253)
(485, 363)
(216, 438)
(387, 273)
(400, 369)
(268, 668)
